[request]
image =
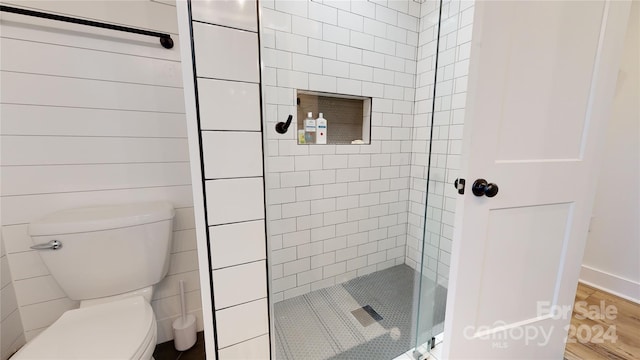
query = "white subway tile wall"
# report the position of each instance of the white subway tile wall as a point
(453, 63)
(226, 53)
(117, 133)
(337, 212)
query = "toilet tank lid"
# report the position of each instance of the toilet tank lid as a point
(101, 218)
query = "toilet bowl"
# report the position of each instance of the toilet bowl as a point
(109, 259)
(123, 329)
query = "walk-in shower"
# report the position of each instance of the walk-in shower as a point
(360, 227)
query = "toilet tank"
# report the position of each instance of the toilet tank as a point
(106, 250)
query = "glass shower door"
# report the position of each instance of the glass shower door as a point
(430, 197)
(443, 58)
(357, 260)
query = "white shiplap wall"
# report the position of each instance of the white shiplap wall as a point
(91, 116)
(11, 333)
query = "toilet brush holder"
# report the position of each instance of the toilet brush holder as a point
(184, 332)
(184, 327)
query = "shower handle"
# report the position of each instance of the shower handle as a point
(481, 187)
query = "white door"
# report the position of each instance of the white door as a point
(541, 81)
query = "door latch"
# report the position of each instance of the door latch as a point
(459, 184)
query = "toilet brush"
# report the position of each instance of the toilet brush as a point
(184, 327)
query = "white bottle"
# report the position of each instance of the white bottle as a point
(310, 129)
(321, 130)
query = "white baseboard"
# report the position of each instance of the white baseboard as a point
(616, 285)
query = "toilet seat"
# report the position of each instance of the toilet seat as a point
(123, 329)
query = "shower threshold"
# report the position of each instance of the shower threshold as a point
(422, 352)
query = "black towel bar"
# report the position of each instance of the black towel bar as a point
(165, 39)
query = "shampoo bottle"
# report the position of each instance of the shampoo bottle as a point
(321, 130)
(310, 129)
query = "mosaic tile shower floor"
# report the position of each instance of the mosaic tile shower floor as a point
(320, 325)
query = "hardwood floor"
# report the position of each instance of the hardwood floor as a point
(593, 330)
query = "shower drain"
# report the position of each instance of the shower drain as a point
(366, 315)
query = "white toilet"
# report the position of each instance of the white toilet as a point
(109, 258)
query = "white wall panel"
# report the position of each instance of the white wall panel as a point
(11, 329)
(184, 240)
(184, 218)
(6, 273)
(229, 154)
(21, 180)
(240, 284)
(37, 290)
(26, 265)
(257, 349)
(612, 256)
(141, 14)
(33, 89)
(80, 63)
(223, 53)
(90, 116)
(167, 2)
(242, 322)
(46, 31)
(232, 13)
(68, 121)
(230, 105)
(166, 307)
(234, 200)
(62, 150)
(41, 315)
(237, 243)
(183, 262)
(170, 286)
(8, 302)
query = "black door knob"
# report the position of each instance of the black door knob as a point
(482, 187)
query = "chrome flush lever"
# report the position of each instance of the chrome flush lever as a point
(51, 245)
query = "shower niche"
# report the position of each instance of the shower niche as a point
(348, 117)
